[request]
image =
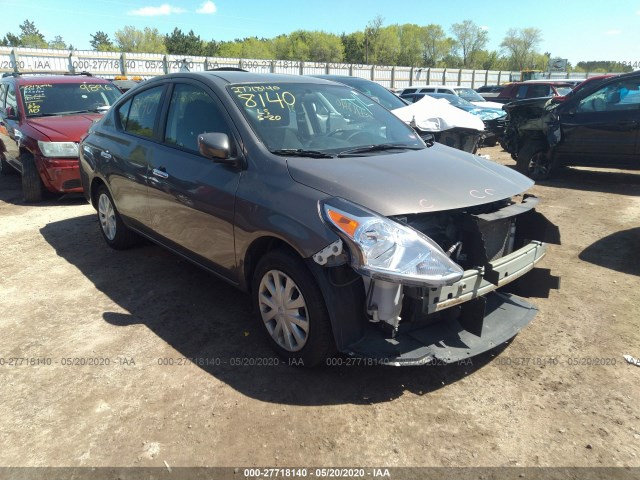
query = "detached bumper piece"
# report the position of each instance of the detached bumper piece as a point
(497, 318)
(481, 319)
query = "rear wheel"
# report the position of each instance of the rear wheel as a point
(291, 309)
(32, 186)
(114, 231)
(534, 160)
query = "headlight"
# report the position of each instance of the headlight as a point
(59, 149)
(387, 250)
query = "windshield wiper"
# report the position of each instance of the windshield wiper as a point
(34, 115)
(378, 148)
(299, 152)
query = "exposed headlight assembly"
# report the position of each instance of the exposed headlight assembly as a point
(387, 250)
(59, 149)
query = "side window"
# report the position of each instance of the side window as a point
(11, 98)
(536, 91)
(192, 112)
(616, 97)
(409, 90)
(141, 116)
(3, 94)
(522, 91)
(123, 114)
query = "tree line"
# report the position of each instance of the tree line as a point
(464, 45)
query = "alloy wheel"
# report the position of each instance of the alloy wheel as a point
(107, 216)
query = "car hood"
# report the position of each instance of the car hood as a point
(64, 128)
(437, 115)
(434, 179)
(494, 105)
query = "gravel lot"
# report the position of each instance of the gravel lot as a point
(560, 394)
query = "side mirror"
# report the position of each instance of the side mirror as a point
(10, 113)
(218, 147)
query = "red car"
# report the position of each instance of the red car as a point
(41, 121)
(533, 89)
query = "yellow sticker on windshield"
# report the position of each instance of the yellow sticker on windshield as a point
(263, 98)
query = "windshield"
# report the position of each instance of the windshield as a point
(469, 95)
(562, 91)
(376, 91)
(313, 119)
(65, 98)
(454, 100)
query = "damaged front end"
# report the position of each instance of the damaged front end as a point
(429, 280)
(532, 119)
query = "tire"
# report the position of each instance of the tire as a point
(291, 309)
(32, 186)
(117, 235)
(5, 168)
(534, 161)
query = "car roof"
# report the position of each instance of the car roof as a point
(225, 77)
(433, 86)
(32, 79)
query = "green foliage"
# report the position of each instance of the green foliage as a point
(57, 43)
(409, 44)
(603, 66)
(101, 42)
(470, 39)
(520, 46)
(179, 43)
(149, 40)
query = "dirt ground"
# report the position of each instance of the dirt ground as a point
(560, 394)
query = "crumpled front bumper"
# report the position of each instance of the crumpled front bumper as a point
(485, 320)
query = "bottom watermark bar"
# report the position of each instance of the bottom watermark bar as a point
(337, 473)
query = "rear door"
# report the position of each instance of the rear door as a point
(192, 198)
(125, 150)
(601, 129)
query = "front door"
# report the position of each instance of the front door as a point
(9, 134)
(602, 128)
(192, 198)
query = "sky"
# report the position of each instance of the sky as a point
(579, 30)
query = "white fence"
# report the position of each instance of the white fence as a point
(111, 64)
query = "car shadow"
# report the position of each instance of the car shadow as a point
(209, 321)
(11, 192)
(619, 251)
(618, 182)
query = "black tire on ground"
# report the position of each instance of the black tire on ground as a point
(534, 161)
(5, 168)
(32, 186)
(491, 143)
(117, 235)
(291, 309)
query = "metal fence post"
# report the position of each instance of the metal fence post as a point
(393, 76)
(14, 58)
(123, 64)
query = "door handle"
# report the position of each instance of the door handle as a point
(160, 172)
(628, 123)
(106, 155)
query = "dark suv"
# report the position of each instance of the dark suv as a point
(597, 126)
(348, 230)
(41, 121)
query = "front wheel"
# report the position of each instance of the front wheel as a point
(114, 231)
(32, 187)
(291, 309)
(534, 160)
